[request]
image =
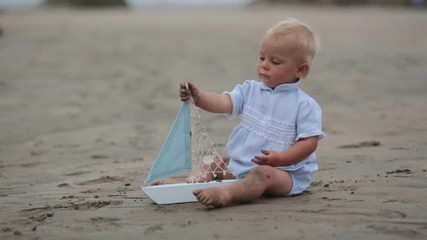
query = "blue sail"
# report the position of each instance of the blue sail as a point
(175, 155)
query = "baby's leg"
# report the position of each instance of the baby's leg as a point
(168, 181)
(221, 171)
(204, 173)
(262, 180)
(208, 171)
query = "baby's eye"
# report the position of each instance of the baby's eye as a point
(275, 61)
(261, 58)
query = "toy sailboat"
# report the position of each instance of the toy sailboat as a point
(187, 149)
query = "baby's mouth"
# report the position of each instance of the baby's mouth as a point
(263, 76)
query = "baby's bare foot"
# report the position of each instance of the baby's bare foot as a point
(214, 196)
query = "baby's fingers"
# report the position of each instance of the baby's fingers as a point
(265, 152)
(184, 92)
(183, 85)
(260, 160)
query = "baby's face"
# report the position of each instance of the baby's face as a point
(277, 62)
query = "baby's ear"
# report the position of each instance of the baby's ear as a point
(303, 70)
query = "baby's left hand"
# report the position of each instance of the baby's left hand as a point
(271, 158)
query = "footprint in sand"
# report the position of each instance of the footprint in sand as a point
(362, 144)
(103, 179)
(77, 173)
(76, 206)
(96, 205)
(106, 223)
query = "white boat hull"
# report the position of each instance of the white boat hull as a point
(179, 192)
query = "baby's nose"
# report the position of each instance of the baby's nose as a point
(265, 65)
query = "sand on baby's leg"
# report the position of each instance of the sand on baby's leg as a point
(262, 180)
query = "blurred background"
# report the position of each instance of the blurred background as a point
(142, 3)
(90, 58)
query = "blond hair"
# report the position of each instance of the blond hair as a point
(305, 42)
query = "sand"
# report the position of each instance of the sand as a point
(87, 98)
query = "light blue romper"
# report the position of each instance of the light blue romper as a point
(272, 120)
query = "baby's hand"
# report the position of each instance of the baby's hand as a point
(271, 158)
(188, 89)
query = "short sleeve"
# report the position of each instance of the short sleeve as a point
(309, 120)
(237, 96)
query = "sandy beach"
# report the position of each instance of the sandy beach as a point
(87, 99)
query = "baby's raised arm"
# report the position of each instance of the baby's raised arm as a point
(209, 101)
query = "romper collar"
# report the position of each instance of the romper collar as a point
(282, 87)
